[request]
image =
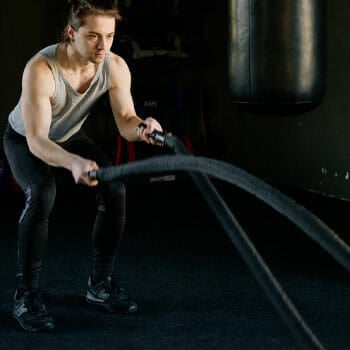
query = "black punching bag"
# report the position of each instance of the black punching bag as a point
(277, 53)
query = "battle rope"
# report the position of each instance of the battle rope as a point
(283, 204)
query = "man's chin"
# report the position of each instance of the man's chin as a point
(97, 58)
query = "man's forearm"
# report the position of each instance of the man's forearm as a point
(128, 128)
(50, 153)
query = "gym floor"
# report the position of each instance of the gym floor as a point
(193, 288)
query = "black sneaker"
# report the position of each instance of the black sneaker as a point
(31, 313)
(110, 296)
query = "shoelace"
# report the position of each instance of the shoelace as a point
(33, 302)
(110, 286)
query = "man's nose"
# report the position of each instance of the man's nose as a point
(101, 43)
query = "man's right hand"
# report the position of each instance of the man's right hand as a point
(80, 168)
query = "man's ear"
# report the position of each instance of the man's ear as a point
(70, 32)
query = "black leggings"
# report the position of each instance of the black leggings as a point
(37, 180)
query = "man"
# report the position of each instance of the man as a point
(60, 84)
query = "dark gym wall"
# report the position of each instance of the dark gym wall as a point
(308, 151)
(25, 28)
(19, 35)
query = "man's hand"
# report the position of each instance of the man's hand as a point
(80, 168)
(145, 129)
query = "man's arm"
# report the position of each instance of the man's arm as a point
(38, 87)
(122, 104)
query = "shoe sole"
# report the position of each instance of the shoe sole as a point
(33, 329)
(101, 304)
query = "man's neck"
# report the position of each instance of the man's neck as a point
(72, 62)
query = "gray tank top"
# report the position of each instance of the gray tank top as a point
(69, 107)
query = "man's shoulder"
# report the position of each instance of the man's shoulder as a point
(49, 51)
(44, 54)
(116, 60)
(37, 62)
(119, 72)
(118, 67)
(37, 66)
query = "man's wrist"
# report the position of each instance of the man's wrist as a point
(140, 126)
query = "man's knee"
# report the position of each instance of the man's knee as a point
(117, 189)
(112, 195)
(40, 198)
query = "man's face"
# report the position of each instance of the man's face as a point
(94, 39)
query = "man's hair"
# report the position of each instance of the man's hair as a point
(80, 9)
